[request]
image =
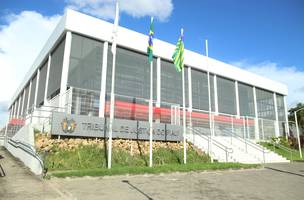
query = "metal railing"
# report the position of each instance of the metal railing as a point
(29, 149)
(284, 148)
(226, 149)
(247, 143)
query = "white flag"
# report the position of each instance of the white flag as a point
(115, 29)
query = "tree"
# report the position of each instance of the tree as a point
(300, 115)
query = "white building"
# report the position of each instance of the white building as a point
(73, 73)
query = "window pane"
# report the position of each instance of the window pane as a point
(85, 63)
(41, 85)
(33, 89)
(226, 96)
(55, 70)
(171, 84)
(200, 98)
(246, 100)
(265, 104)
(281, 107)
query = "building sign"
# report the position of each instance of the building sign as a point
(87, 126)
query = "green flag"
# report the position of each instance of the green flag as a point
(150, 42)
(178, 55)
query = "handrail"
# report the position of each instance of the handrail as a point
(289, 150)
(28, 149)
(218, 144)
(246, 141)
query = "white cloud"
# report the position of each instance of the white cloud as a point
(105, 9)
(20, 42)
(289, 75)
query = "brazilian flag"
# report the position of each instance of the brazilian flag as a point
(150, 42)
(178, 55)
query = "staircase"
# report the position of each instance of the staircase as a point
(232, 148)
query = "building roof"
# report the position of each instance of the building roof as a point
(96, 28)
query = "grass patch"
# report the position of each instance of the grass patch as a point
(118, 170)
(93, 157)
(295, 153)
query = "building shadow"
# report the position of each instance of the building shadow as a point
(137, 189)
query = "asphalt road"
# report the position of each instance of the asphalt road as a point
(276, 181)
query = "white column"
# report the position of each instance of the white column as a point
(286, 117)
(36, 89)
(47, 80)
(103, 80)
(215, 95)
(237, 101)
(276, 123)
(65, 69)
(256, 121)
(29, 96)
(23, 100)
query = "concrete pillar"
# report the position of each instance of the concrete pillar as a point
(36, 89)
(29, 96)
(65, 69)
(23, 100)
(286, 117)
(45, 102)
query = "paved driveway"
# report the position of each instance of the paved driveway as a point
(279, 181)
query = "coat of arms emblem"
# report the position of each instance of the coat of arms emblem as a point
(68, 125)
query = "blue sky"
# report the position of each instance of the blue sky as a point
(263, 36)
(252, 30)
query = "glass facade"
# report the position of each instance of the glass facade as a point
(55, 70)
(265, 104)
(41, 84)
(226, 96)
(246, 100)
(132, 86)
(85, 63)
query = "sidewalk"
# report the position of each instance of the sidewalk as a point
(275, 181)
(20, 183)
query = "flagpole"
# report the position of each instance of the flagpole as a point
(151, 111)
(209, 100)
(184, 111)
(113, 86)
(184, 116)
(150, 59)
